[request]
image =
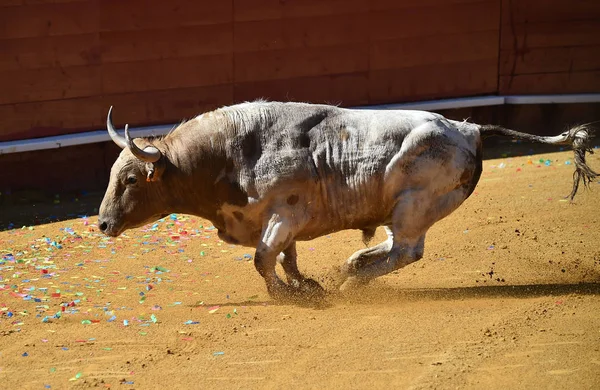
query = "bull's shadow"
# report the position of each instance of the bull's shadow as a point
(381, 293)
(386, 293)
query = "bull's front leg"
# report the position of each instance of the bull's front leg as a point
(277, 237)
(309, 287)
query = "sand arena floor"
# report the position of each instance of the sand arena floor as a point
(507, 296)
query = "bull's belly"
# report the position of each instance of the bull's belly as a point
(322, 226)
(309, 215)
(249, 234)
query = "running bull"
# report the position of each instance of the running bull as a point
(268, 174)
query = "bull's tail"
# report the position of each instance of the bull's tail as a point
(578, 137)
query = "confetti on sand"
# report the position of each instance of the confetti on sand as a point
(73, 276)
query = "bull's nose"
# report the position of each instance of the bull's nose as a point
(103, 226)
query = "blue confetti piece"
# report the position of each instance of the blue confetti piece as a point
(25, 354)
(218, 353)
(190, 322)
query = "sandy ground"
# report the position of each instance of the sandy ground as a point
(507, 296)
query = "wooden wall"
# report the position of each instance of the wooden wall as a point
(549, 46)
(64, 62)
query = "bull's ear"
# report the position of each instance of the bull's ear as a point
(155, 170)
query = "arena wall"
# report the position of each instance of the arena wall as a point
(64, 62)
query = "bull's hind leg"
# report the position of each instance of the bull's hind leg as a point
(413, 215)
(365, 256)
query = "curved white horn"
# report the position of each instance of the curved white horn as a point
(148, 154)
(119, 140)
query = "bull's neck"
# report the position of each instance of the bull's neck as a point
(194, 165)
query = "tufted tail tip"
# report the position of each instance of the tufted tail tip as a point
(580, 137)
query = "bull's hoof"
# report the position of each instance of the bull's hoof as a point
(281, 291)
(312, 290)
(305, 291)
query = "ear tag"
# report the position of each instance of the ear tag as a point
(150, 175)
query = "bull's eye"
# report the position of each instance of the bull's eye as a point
(131, 180)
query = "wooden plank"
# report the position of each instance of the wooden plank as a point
(550, 60)
(530, 11)
(246, 10)
(435, 21)
(119, 15)
(56, 117)
(344, 89)
(167, 74)
(50, 83)
(434, 50)
(11, 3)
(395, 4)
(120, 46)
(169, 106)
(40, 20)
(318, 31)
(579, 82)
(433, 82)
(301, 62)
(548, 34)
(79, 17)
(41, 119)
(51, 51)
(161, 43)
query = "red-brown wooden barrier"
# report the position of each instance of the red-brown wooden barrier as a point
(64, 62)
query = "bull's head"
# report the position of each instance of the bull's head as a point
(135, 195)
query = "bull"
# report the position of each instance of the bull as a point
(268, 174)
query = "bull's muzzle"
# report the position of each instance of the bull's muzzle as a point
(107, 227)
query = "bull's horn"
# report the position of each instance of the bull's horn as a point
(148, 154)
(119, 140)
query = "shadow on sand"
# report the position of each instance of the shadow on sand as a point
(384, 294)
